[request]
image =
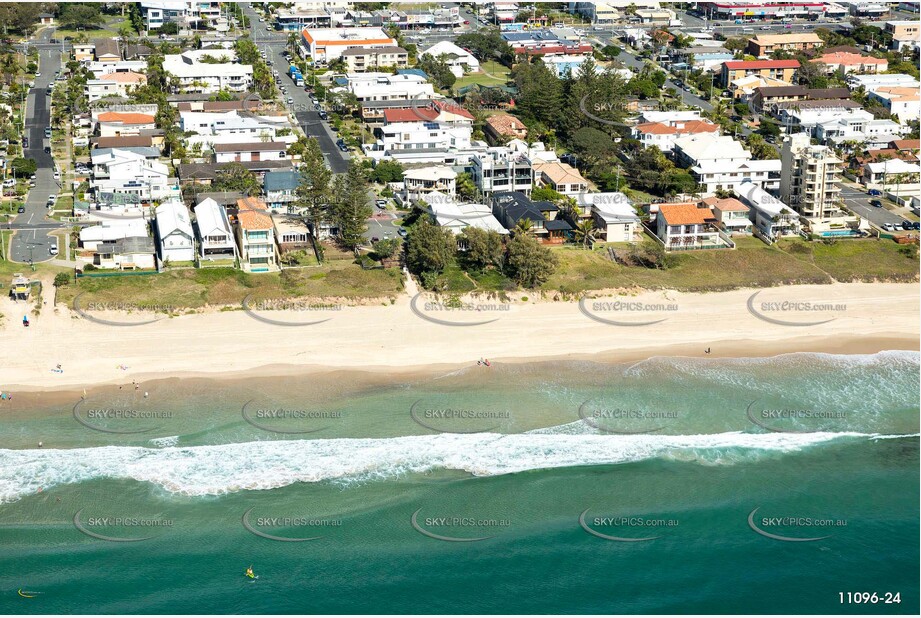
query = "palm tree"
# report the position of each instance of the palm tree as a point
(584, 232)
(523, 226)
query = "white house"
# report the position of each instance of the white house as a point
(421, 181)
(113, 85)
(385, 87)
(501, 168)
(215, 235)
(110, 230)
(175, 238)
(613, 213)
(129, 173)
(663, 134)
(131, 253)
(695, 149)
(687, 226)
(456, 216)
(716, 175)
(206, 77)
(459, 60)
(407, 137)
(770, 217)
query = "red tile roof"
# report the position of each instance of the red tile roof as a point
(126, 117)
(685, 214)
(418, 114)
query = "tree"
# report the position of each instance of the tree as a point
(387, 171)
(593, 144)
(235, 177)
(466, 188)
(23, 167)
(429, 248)
(769, 128)
(80, 16)
(386, 248)
(760, 149)
(313, 189)
(530, 263)
(438, 70)
(584, 232)
(546, 194)
(351, 208)
(61, 279)
(484, 247)
(20, 16)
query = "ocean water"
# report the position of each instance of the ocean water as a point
(667, 486)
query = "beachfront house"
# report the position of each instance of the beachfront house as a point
(255, 236)
(214, 232)
(175, 238)
(771, 218)
(689, 225)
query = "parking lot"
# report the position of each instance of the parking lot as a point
(858, 201)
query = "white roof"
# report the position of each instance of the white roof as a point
(113, 229)
(184, 65)
(612, 207)
(212, 217)
(667, 117)
(356, 35)
(449, 48)
(450, 214)
(435, 172)
(173, 216)
(710, 146)
(894, 166)
(722, 167)
(759, 199)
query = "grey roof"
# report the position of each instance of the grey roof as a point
(819, 103)
(557, 224)
(106, 47)
(207, 171)
(518, 206)
(224, 198)
(279, 181)
(132, 244)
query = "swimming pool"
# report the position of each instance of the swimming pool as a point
(840, 233)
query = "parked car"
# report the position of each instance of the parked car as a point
(906, 224)
(47, 131)
(21, 209)
(289, 101)
(323, 115)
(53, 250)
(381, 204)
(888, 227)
(25, 142)
(402, 232)
(876, 203)
(874, 192)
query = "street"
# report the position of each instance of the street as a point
(32, 240)
(274, 43)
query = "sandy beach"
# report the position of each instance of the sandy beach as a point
(855, 318)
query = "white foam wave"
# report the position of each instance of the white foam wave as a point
(219, 469)
(165, 441)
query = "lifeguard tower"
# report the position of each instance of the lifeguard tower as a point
(20, 288)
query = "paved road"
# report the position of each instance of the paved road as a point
(33, 240)
(859, 203)
(307, 117)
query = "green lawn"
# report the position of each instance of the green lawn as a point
(196, 288)
(492, 74)
(109, 29)
(857, 260)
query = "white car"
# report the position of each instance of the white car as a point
(289, 101)
(38, 74)
(57, 175)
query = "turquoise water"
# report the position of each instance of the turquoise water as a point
(665, 448)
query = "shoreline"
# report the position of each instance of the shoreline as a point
(393, 340)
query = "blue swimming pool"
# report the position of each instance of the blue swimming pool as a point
(840, 233)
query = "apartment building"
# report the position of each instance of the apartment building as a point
(808, 177)
(845, 62)
(783, 70)
(502, 169)
(113, 85)
(905, 34)
(763, 45)
(208, 77)
(328, 44)
(358, 59)
(418, 141)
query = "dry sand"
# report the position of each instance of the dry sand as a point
(394, 338)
